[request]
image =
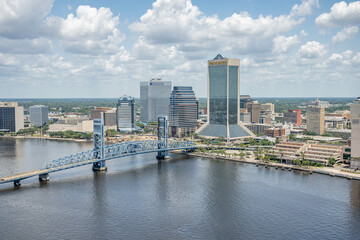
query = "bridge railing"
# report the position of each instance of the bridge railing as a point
(116, 150)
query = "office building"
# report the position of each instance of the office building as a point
(183, 111)
(311, 151)
(257, 128)
(108, 114)
(245, 117)
(254, 109)
(97, 112)
(355, 143)
(293, 116)
(244, 99)
(39, 115)
(154, 99)
(267, 108)
(126, 114)
(11, 117)
(224, 100)
(274, 132)
(355, 109)
(315, 119)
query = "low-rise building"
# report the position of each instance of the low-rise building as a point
(311, 151)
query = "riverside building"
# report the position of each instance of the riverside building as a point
(315, 118)
(11, 117)
(154, 99)
(184, 111)
(224, 101)
(126, 114)
(39, 115)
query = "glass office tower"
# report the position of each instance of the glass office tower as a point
(154, 99)
(224, 100)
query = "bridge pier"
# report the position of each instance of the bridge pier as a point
(99, 166)
(44, 177)
(17, 183)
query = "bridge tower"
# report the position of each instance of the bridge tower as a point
(163, 134)
(99, 145)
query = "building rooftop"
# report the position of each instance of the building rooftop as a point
(219, 56)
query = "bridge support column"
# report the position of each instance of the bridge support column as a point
(99, 166)
(163, 133)
(44, 177)
(99, 145)
(17, 183)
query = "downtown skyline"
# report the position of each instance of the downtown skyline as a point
(97, 49)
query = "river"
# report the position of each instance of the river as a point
(184, 198)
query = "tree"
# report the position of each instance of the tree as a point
(332, 161)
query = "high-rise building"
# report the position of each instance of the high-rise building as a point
(355, 143)
(11, 117)
(39, 115)
(224, 100)
(315, 119)
(126, 114)
(183, 111)
(245, 117)
(254, 109)
(293, 116)
(154, 99)
(244, 99)
(355, 109)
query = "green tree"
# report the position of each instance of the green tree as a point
(332, 161)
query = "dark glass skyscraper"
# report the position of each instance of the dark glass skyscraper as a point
(224, 100)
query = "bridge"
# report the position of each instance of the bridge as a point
(101, 153)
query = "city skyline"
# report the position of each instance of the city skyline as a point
(69, 49)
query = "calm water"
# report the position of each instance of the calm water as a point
(185, 198)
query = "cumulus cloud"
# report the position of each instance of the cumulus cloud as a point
(341, 14)
(344, 58)
(181, 23)
(283, 44)
(312, 49)
(345, 33)
(305, 8)
(23, 18)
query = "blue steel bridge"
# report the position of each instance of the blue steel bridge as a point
(101, 153)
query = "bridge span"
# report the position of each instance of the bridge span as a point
(102, 153)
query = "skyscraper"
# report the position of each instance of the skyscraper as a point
(39, 115)
(183, 111)
(315, 118)
(224, 100)
(154, 99)
(355, 109)
(126, 114)
(293, 116)
(11, 117)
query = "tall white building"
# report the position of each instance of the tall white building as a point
(355, 143)
(126, 114)
(154, 99)
(355, 109)
(39, 115)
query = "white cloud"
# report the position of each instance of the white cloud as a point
(312, 49)
(344, 58)
(91, 31)
(345, 33)
(24, 18)
(181, 23)
(305, 8)
(284, 44)
(341, 14)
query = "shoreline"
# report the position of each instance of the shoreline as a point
(283, 166)
(47, 138)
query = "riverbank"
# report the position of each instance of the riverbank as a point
(333, 172)
(48, 138)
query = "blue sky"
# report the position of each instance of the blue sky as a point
(304, 48)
